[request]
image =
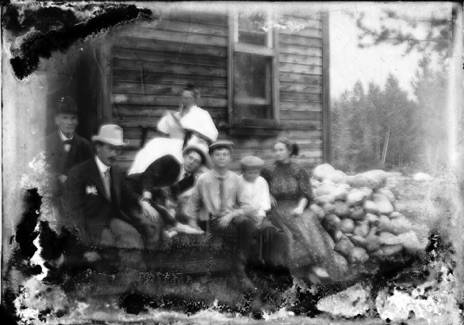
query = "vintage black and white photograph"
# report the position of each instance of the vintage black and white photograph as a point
(232, 162)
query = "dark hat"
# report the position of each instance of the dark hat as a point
(221, 144)
(67, 105)
(251, 162)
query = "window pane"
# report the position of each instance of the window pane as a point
(251, 29)
(252, 75)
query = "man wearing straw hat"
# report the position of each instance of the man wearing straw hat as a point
(95, 193)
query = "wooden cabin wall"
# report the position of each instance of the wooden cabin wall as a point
(153, 61)
(300, 86)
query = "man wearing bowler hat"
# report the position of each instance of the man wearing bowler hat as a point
(65, 148)
(95, 193)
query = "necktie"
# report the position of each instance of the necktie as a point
(67, 145)
(106, 182)
(221, 194)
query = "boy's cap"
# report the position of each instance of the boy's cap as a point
(221, 144)
(251, 162)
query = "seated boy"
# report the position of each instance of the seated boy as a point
(253, 193)
(217, 190)
(255, 201)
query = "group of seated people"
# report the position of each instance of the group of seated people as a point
(181, 183)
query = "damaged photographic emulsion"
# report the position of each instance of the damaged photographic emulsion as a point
(232, 162)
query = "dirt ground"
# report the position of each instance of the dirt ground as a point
(141, 297)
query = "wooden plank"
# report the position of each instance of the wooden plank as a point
(301, 59)
(300, 88)
(327, 150)
(147, 121)
(301, 106)
(300, 115)
(126, 64)
(300, 68)
(171, 46)
(292, 96)
(150, 77)
(300, 41)
(183, 38)
(150, 89)
(301, 134)
(308, 32)
(166, 57)
(151, 100)
(140, 112)
(302, 125)
(193, 27)
(301, 50)
(136, 133)
(300, 78)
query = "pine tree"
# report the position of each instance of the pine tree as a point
(430, 90)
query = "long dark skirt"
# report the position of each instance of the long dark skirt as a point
(307, 240)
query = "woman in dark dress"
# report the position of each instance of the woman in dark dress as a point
(309, 252)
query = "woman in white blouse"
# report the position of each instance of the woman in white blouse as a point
(189, 117)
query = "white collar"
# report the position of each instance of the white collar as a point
(63, 137)
(217, 175)
(101, 166)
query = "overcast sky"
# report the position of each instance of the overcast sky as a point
(348, 63)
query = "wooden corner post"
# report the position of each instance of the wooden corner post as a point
(326, 122)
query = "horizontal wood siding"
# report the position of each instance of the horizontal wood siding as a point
(300, 77)
(152, 62)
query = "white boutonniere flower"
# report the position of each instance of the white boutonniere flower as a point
(91, 190)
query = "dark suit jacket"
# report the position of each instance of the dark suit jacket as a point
(85, 202)
(61, 161)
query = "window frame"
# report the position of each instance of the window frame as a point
(271, 50)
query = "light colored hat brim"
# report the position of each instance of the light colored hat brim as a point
(113, 142)
(206, 158)
(221, 144)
